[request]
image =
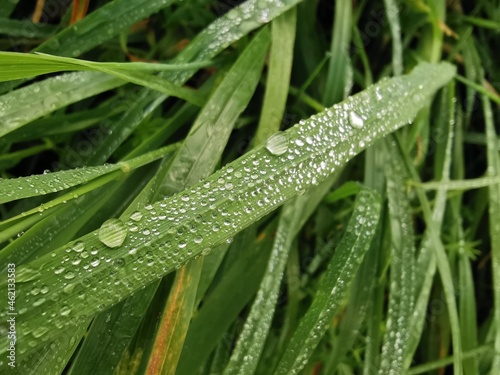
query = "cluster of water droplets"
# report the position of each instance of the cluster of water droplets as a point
(165, 235)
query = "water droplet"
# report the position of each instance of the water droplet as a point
(277, 144)
(356, 120)
(113, 233)
(78, 246)
(136, 216)
(65, 311)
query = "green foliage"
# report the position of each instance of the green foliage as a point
(274, 187)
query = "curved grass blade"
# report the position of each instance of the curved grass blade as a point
(31, 186)
(217, 208)
(46, 96)
(15, 65)
(426, 263)
(24, 65)
(335, 284)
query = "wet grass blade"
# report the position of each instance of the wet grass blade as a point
(494, 215)
(335, 284)
(49, 95)
(24, 187)
(278, 76)
(402, 274)
(99, 26)
(197, 157)
(244, 190)
(339, 55)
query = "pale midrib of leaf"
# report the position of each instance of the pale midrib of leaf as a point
(317, 147)
(333, 288)
(24, 187)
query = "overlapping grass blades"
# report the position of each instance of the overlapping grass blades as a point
(165, 236)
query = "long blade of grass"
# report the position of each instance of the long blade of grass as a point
(195, 160)
(99, 26)
(46, 96)
(494, 216)
(23, 187)
(402, 278)
(339, 58)
(335, 284)
(278, 76)
(392, 12)
(24, 65)
(216, 37)
(251, 341)
(441, 261)
(426, 264)
(254, 185)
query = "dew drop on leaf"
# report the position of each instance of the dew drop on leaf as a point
(356, 120)
(136, 216)
(277, 144)
(113, 233)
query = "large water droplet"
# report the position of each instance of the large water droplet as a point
(113, 233)
(356, 120)
(277, 143)
(136, 216)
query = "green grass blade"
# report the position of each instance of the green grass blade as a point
(220, 34)
(494, 216)
(441, 261)
(46, 96)
(392, 12)
(24, 65)
(278, 76)
(426, 263)
(226, 300)
(99, 26)
(254, 185)
(402, 277)
(195, 160)
(333, 288)
(247, 352)
(339, 53)
(24, 28)
(23, 187)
